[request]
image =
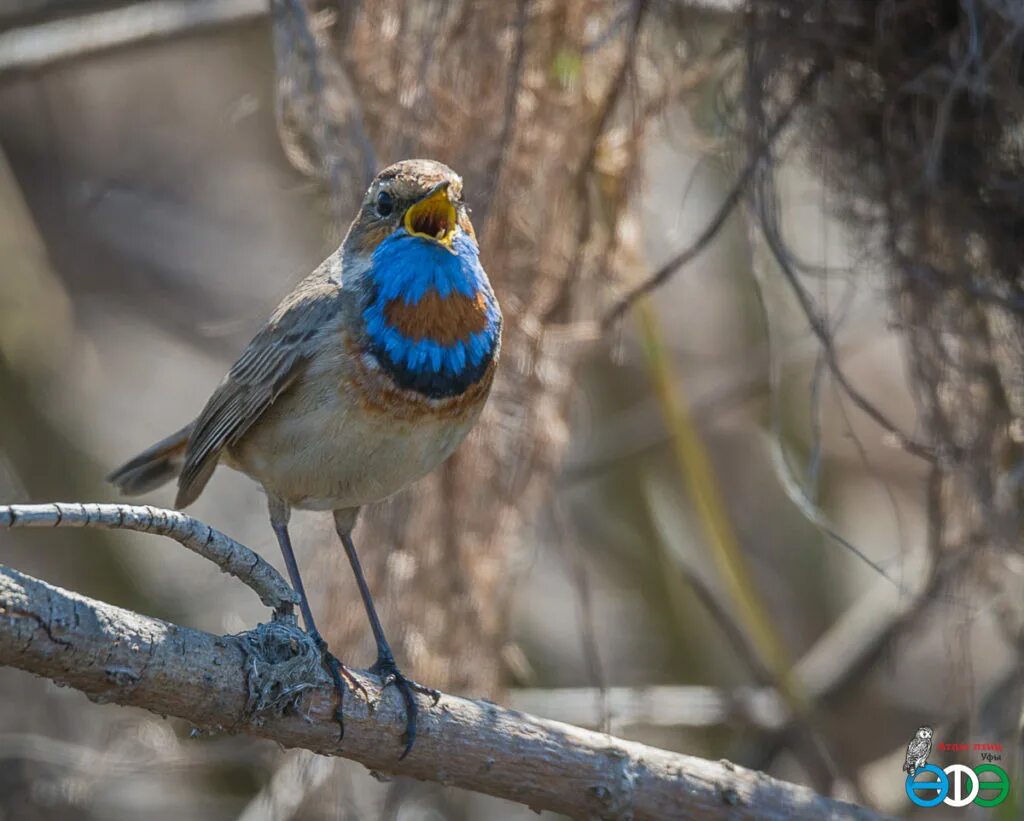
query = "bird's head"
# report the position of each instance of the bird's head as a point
(924, 732)
(412, 202)
(428, 313)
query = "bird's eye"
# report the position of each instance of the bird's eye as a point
(385, 204)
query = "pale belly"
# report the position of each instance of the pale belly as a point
(317, 449)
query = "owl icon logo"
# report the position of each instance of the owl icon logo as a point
(918, 750)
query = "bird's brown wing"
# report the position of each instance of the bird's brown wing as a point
(265, 369)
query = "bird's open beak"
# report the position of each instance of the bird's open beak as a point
(433, 217)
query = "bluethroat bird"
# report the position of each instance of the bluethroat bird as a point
(367, 376)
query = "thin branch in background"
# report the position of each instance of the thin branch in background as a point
(509, 117)
(691, 180)
(230, 556)
(862, 453)
(792, 487)
(766, 206)
(319, 117)
(611, 31)
(850, 651)
(732, 199)
(818, 373)
(813, 480)
(834, 666)
(696, 470)
(568, 542)
(663, 514)
(602, 122)
(813, 513)
(616, 90)
(72, 38)
(644, 438)
(767, 210)
(788, 480)
(697, 473)
(723, 617)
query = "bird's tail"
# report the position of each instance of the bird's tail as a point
(155, 466)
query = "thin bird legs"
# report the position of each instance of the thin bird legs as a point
(279, 515)
(385, 666)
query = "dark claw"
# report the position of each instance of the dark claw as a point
(340, 674)
(390, 676)
(285, 611)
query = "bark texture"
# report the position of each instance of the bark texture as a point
(228, 684)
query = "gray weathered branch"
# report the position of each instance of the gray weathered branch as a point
(230, 556)
(228, 683)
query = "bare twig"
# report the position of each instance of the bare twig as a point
(511, 114)
(230, 556)
(821, 330)
(732, 199)
(319, 117)
(573, 555)
(610, 103)
(114, 655)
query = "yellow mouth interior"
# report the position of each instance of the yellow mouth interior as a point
(433, 218)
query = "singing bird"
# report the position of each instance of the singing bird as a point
(366, 377)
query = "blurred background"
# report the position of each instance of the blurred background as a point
(767, 512)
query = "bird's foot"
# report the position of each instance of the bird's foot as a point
(390, 675)
(340, 675)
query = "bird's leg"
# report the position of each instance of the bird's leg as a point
(338, 671)
(385, 665)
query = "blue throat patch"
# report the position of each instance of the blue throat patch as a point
(407, 268)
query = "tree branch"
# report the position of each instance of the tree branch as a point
(220, 683)
(73, 37)
(230, 556)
